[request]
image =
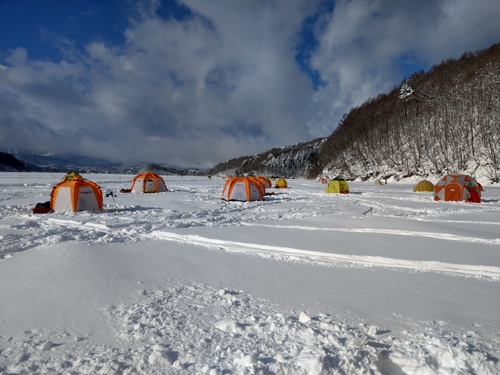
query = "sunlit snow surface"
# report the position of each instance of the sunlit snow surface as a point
(380, 281)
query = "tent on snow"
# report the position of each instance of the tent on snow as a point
(457, 187)
(75, 195)
(337, 185)
(148, 182)
(71, 176)
(267, 181)
(281, 183)
(261, 182)
(243, 189)
(323, 180)
(424, 186)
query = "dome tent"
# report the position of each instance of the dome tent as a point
(75, 195)
(281, 183)
(71, 176)
(338, 186)
(148, 182)
(457, 187)
(261, 182)
(243, 189)
(424, 186)
(267, 181)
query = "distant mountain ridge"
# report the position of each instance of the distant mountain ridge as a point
(55, 163)
(161, 170)
(9, 163)
(69, 161)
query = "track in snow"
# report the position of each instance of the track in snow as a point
(329, 259)
(440, 236)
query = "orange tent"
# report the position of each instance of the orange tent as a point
(261, 182)
(266, 181)
(323, 180)
(281, 183)
(243, 189)
(457, 187)
(77, 194)
(148, 182)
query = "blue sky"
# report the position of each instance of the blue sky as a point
(193, 83)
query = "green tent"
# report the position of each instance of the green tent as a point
(337, 186)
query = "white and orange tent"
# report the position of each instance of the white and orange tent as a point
(267, 181)
(77, 194)
(457, 187)
(148, 182)
(243, 189)
(261, 182)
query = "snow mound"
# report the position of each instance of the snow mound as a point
(191, 329)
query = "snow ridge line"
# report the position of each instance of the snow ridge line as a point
(440, 236)
(457, 221)
(325, 258)
(81, 225)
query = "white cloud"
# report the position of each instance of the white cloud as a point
(216, 85)
(17, 57)
(362, 44)
(224, 82)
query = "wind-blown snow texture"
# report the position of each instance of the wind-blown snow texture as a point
(380, 281)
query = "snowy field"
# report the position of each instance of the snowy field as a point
(380, 281)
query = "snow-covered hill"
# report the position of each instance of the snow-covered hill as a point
(300, 160)
(444, 121)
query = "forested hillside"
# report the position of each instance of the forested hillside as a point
(291, 161)
(445, 120)
(9, 163)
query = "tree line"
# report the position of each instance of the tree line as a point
(443, 121)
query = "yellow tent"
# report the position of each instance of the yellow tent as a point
(70, 176)
(424, 186)
(281, 183)
(337, 185)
